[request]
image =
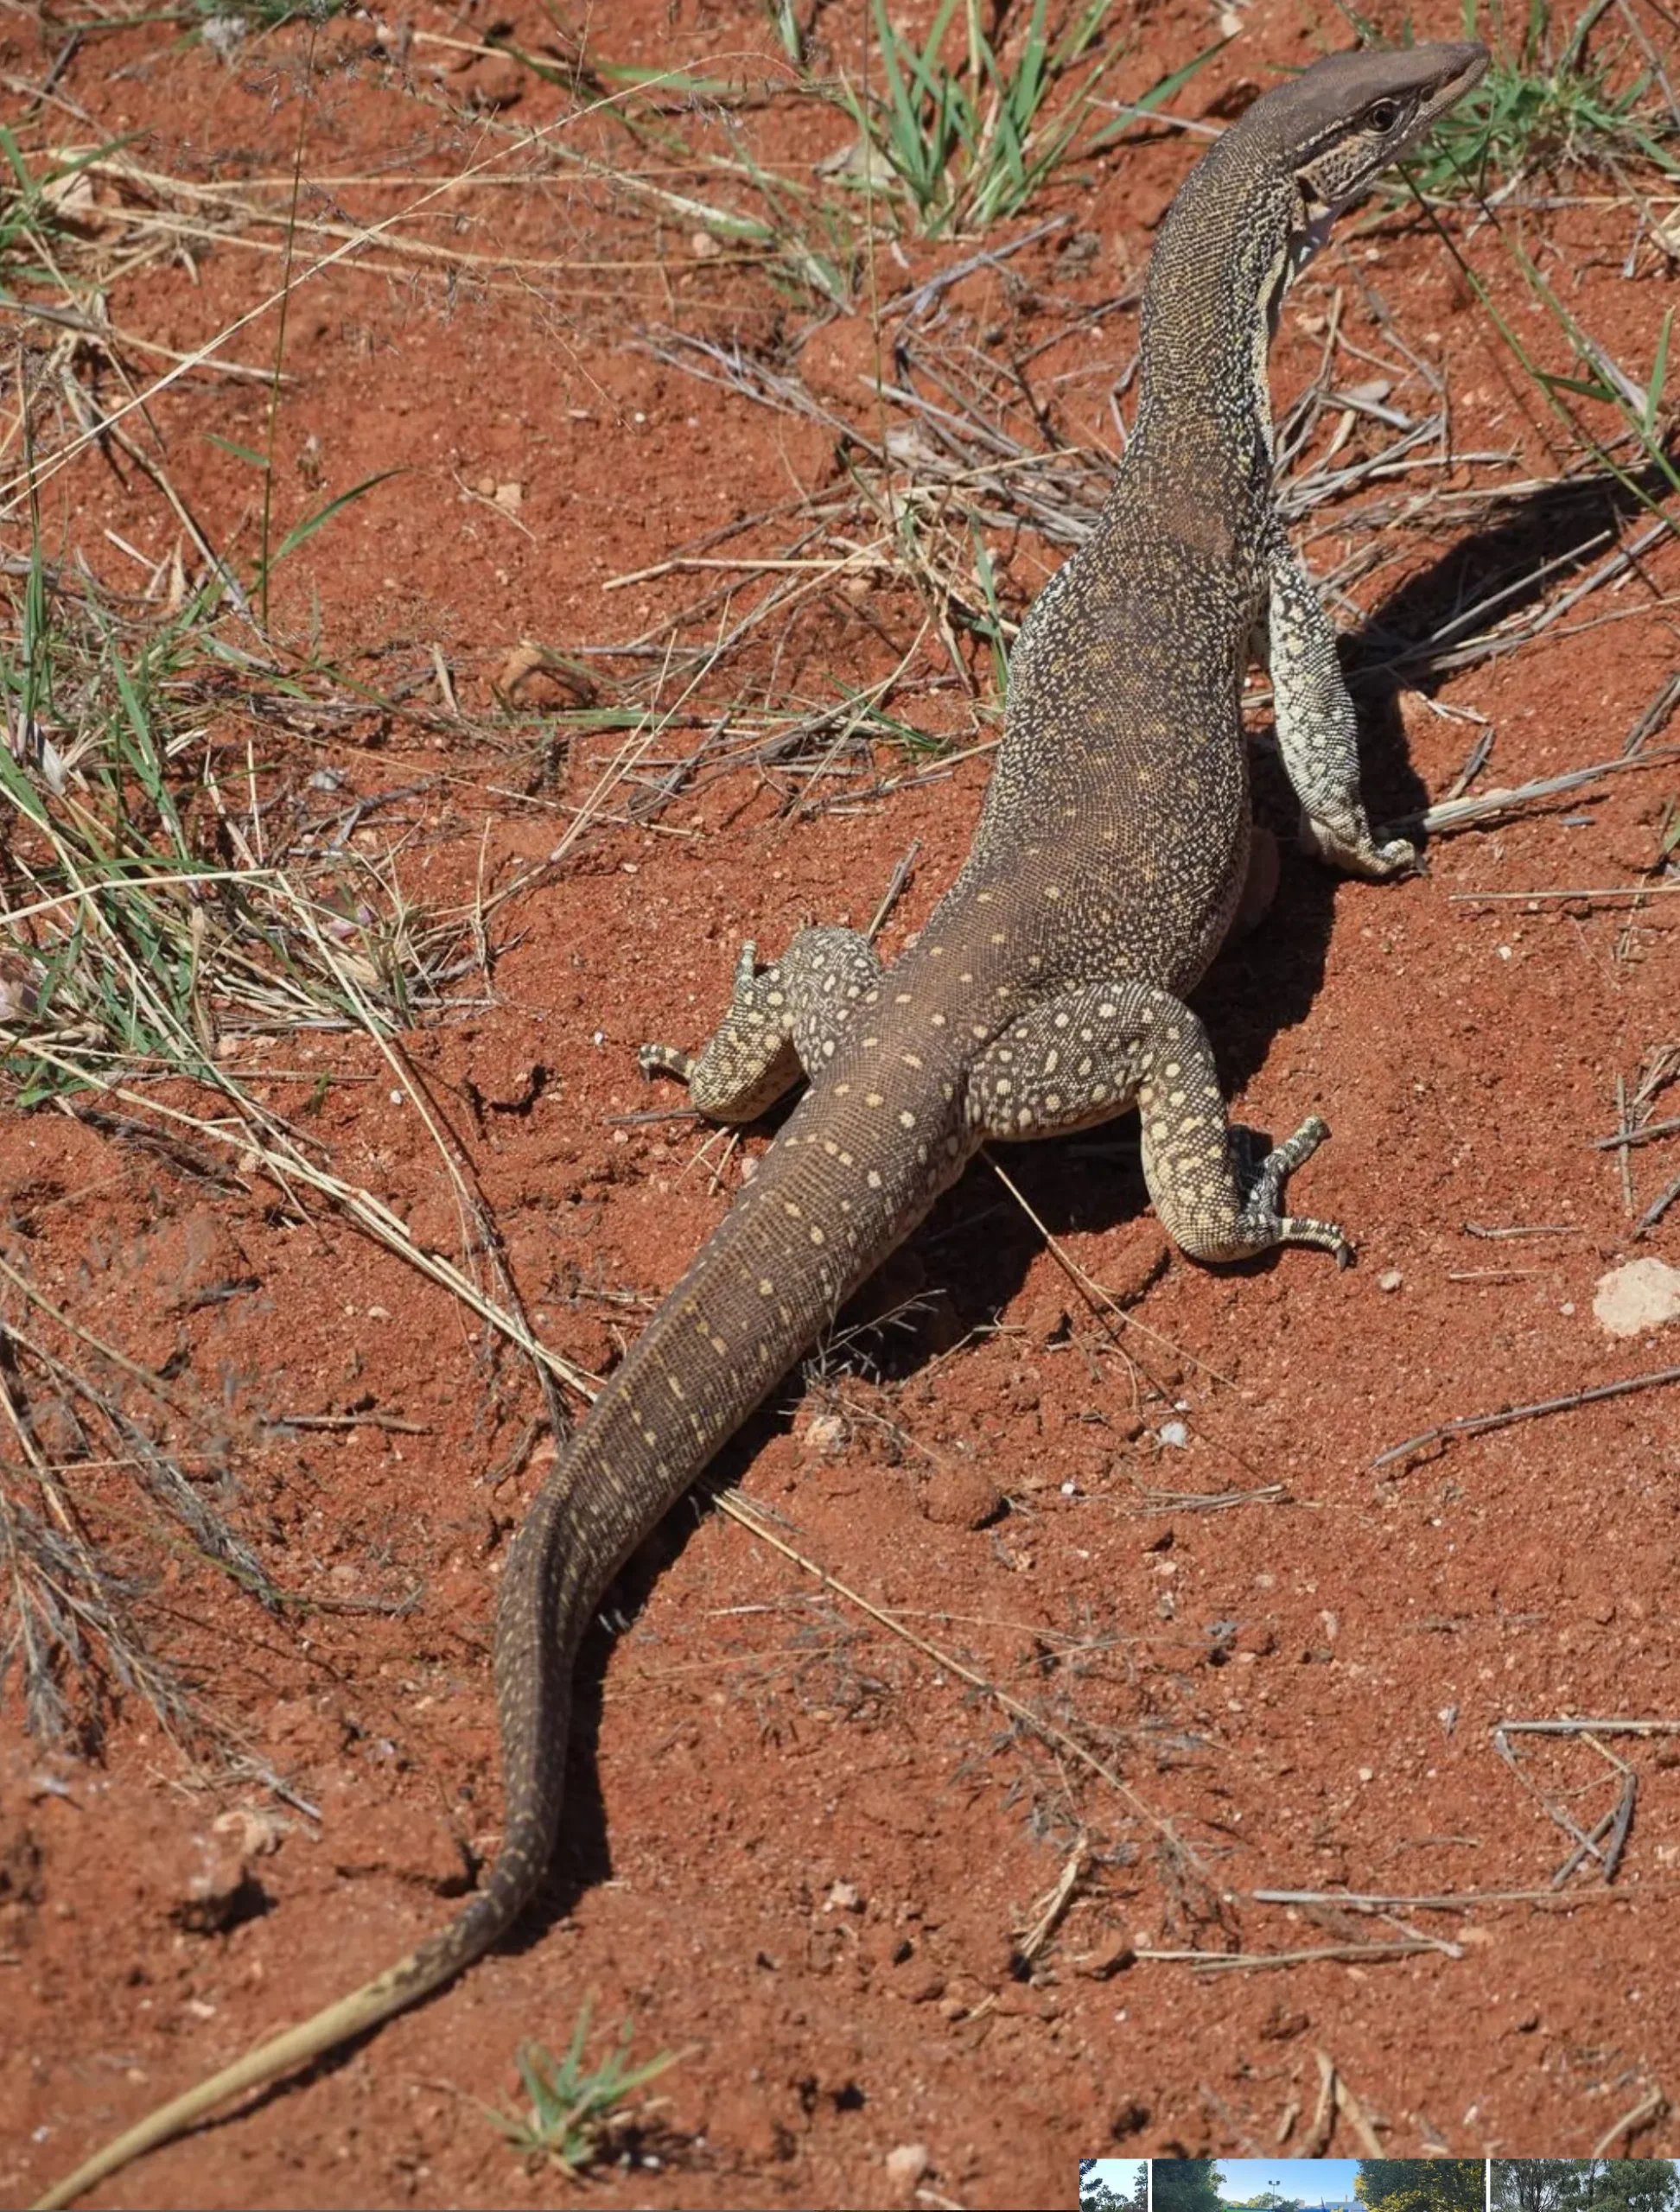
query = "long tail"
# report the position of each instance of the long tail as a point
(745, 1309)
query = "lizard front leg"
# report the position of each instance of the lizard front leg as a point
(1317, 729)
(782, 1023)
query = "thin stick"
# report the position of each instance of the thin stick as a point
(1572, 1726)
(1658, 1206)
(1478, 1424)
(1213, 1963)
(1522, 1229)
(1625, 1137)
(303, 108)
(1324, 2116)
(897, 883)
(908, 303)
(1595, 896)
(1458, 813)
(1654, 715)
(1444, 1901)
(686, 563)
(1651, 2107)
(1354, 2113)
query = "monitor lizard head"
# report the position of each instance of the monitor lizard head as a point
(1339, 125)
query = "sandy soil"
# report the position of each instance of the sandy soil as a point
(802, 1854)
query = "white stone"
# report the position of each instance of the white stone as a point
(1639, 1295)
(906, 2165)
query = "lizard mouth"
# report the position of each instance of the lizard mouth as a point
(1311, 234)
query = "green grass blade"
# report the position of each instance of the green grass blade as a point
(1653, 406)
(299, 533)
(1158, 94)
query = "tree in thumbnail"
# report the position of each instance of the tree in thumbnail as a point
(1630, 2185)
(1097, 2195)
(1423, 2185)
(1585, 2185)
(1186, 2184)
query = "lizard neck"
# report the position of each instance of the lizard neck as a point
(1224, 256)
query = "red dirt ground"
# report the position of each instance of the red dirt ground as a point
(800, 1852)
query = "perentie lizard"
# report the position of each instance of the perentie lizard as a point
(1045, 994)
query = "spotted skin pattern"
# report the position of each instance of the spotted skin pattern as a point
(781, 1027)
(1317, 731)
(1046, 992)
(1083, 1059)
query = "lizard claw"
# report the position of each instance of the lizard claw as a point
(1351, 846)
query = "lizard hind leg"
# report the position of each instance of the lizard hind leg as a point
(1092, 1053)
(781, 1023)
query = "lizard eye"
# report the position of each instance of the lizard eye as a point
(1382, 115)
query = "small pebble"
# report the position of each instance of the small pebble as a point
(825, 1433)
(1175, 1434)
(1390, 1279)
(908, 2164)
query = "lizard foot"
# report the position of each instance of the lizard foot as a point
(1358, 853)
(1263, 1225)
